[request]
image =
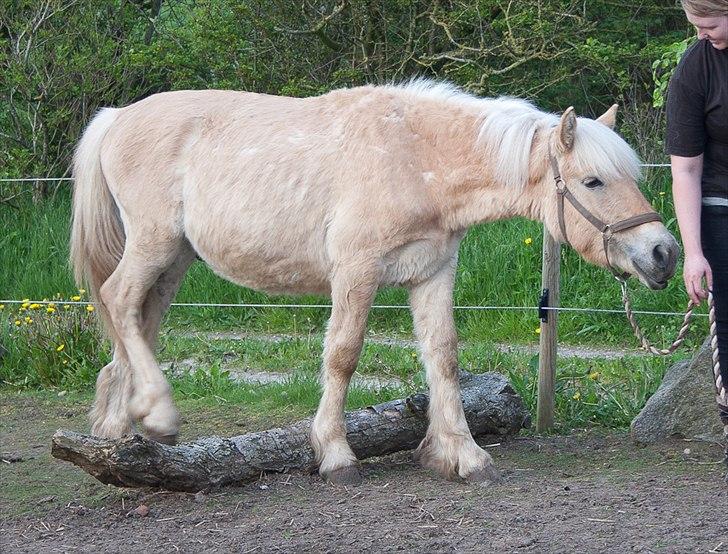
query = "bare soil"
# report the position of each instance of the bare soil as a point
(591, 492)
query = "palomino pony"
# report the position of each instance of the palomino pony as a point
(338, 194)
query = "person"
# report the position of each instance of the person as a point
(697, 142)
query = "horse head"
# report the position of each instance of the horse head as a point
(592, 202)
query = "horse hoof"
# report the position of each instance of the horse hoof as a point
(170, 440)
(484, 476)
(348, 476)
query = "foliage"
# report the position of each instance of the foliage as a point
(61, 59)
(663, 68)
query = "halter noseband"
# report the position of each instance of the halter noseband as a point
(607, 230)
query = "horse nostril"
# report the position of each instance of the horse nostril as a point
(661, 256)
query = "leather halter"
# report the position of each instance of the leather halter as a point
(606, 229)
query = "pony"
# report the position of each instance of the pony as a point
(338, 194)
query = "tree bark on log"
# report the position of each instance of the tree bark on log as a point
(491, 406)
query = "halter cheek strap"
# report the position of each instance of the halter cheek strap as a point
(607, 230)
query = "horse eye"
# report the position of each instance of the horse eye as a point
(593, 183)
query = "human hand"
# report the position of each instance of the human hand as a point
(695, 270)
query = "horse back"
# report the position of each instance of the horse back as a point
(272, 191)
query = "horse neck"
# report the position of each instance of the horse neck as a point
(470, 194)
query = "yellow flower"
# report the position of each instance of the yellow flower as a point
(81, 291)
(662, 193)
(51, 304)
(527, 241)
(538, 330)
(2, 307)
(75, 298)
(26, 300)
(60, 347)
(577, 395)
(65, 362)
(17, 322)
(594, 375)
(24, 305)
(50, 310)
(90, 308)
(28, 319)
(34, 306)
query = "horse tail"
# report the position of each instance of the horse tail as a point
(97, 233)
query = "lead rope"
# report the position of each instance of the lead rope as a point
(721, 395)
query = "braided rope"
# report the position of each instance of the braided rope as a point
(641, 337)
(721, 395)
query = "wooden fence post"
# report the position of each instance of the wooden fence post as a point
(550, 278)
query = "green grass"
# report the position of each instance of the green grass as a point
(588, 392)
(497, 268)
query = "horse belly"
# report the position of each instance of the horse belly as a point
(271, 252)
(267, 268)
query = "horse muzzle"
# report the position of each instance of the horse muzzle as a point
(652, 262)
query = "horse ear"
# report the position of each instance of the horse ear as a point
(567, 129)
(609, 118)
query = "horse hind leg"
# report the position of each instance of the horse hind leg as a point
(125, 295)
(109, 416)
(114, 387)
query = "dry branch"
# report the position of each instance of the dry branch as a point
(491, 407)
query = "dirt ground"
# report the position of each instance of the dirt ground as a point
(588, 492)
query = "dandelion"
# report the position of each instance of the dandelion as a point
(527, 241)
(577, 395)
(50, 310)
(34, 306)
(89, 308)
(2, 307)
(537, 330)
(17, 322)
(65, 362)
(594, 375)
(60, 347)
(75, 298)
(24, 305)
(28, 320)
(26, 300)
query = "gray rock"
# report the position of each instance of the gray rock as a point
(684, 405)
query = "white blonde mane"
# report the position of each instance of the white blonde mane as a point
(510, 124)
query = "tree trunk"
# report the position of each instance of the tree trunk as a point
(491, 407)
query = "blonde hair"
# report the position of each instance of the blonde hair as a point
(705, 8)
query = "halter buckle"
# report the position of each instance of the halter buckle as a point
(560, 185)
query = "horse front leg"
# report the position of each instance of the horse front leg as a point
(448, 446)
(351, 296)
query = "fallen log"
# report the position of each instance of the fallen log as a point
(491, 406)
